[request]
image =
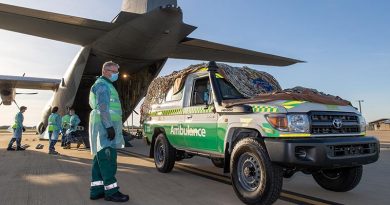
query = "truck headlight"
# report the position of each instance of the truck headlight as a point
(278, 121)
(362, 123)
(298, 123)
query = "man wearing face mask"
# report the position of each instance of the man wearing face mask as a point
(18, 129)
(105, 135)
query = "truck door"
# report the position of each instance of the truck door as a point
(200, 122)
(173, 118)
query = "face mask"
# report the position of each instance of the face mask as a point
(114, 77)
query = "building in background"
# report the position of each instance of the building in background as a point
(381, 124)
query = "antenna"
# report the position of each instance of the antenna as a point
(360, 105)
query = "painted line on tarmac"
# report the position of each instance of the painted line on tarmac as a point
(384, 145)
(285, 195)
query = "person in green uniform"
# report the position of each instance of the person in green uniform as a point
(65, 124)
(105, 135)
(18, 129)
(54, 130)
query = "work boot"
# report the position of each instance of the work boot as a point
(67, 146)
(11, 142)
(18, 145)
(100, 196)
(53, 152)
(117, 197)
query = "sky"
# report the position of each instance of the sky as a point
(345, 45)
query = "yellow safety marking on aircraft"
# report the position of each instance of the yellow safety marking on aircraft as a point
(295, 135)
(292, 103)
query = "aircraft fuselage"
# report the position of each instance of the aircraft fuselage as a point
(138, 44)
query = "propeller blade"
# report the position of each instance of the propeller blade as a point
(16, 104)
(26, 93)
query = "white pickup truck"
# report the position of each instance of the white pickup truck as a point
(258, 143)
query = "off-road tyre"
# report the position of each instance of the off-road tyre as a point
(339, 180)
(164, 154)
(250, 160)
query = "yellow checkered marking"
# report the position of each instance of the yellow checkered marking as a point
(197, 110)
(264, 108)
(179, 111)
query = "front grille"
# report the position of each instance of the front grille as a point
(330, 117)
(351, 150)
(322, 123)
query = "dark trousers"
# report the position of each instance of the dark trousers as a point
(104, 168)
(52, 143)
(63, 138)
(18, 142)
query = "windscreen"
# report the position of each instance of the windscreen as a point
(228, 91)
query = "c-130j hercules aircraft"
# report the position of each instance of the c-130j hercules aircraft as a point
(140, 39)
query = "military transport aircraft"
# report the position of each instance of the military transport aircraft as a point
(140, 38)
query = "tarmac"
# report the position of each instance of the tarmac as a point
(33, 177)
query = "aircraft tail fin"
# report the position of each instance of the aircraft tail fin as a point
(144, 6)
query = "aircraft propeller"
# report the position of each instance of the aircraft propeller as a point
(26, 93)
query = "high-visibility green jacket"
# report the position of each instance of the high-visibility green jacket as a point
(18, 121)
(74, 122)
(106, 112)
(54, 122)
(65, 121)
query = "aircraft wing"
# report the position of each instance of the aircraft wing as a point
(29, 82)
(69, 29)
(197, 49)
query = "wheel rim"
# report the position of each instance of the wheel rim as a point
(159, 154)
(249, 173)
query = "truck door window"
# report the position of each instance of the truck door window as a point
(200, 91)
